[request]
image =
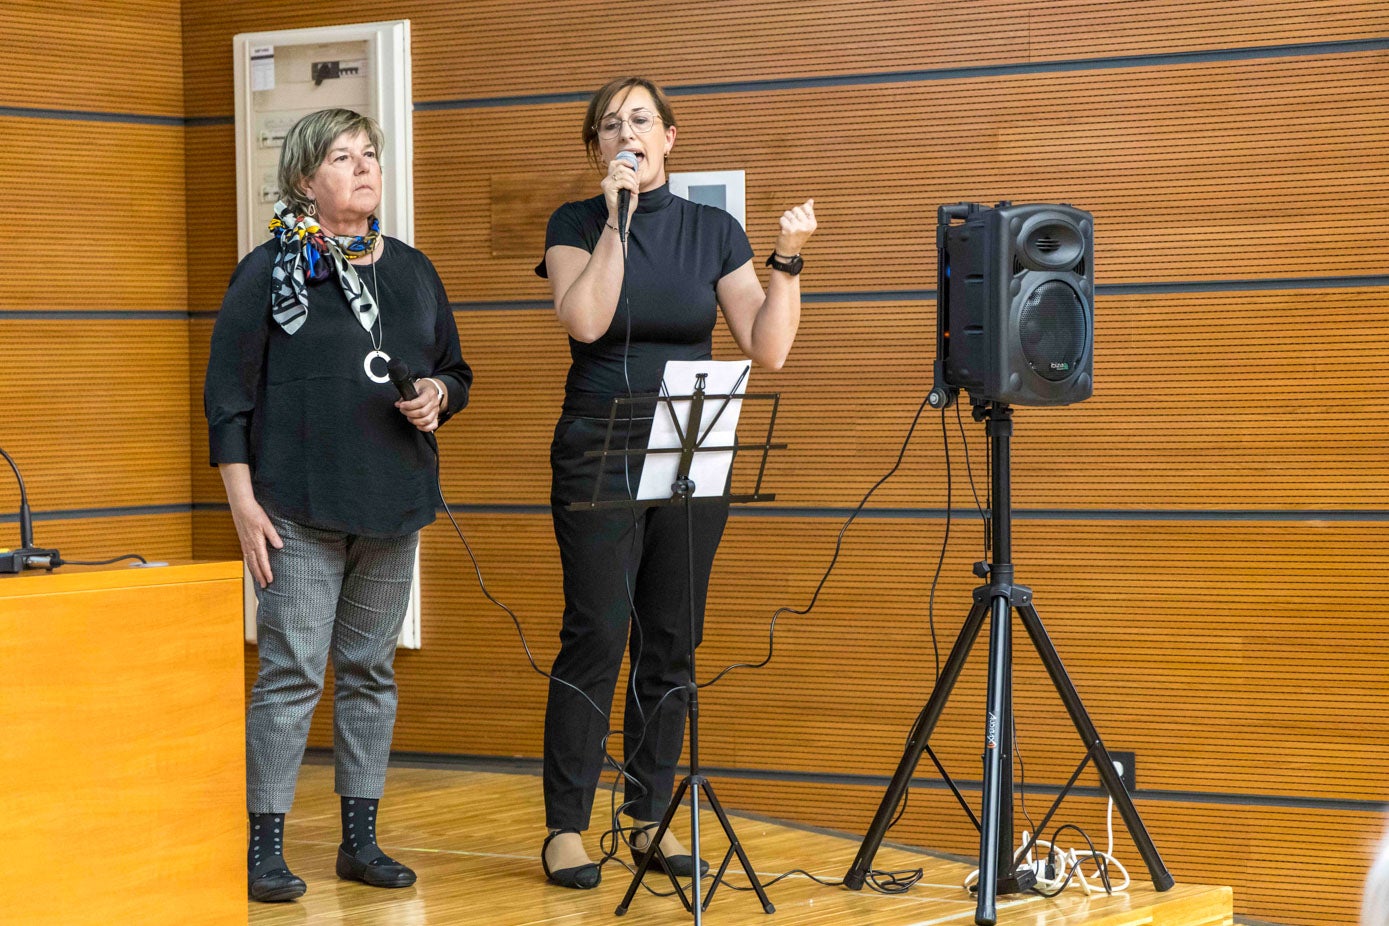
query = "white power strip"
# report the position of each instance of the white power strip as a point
(1055, 868)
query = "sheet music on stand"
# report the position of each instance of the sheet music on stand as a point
(718, 428)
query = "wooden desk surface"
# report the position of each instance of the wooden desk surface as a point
(119, 575)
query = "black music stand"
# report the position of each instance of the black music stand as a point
(1000, 598)
(691, 442)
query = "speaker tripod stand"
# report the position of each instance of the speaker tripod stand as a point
(998, 873)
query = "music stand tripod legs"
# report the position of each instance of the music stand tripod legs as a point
(694, 782)
(683, 490)
(999, 599)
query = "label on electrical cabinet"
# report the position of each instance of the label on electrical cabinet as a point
(263, 67)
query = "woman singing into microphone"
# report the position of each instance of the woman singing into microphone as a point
(629, 307)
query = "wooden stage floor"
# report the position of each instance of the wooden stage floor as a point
(474, 838)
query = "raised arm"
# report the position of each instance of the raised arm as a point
(764, 323)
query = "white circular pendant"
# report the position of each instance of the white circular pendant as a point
(366, 365)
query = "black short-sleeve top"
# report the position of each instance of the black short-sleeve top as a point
(677, 252)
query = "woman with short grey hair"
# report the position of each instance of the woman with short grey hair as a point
(330, 475)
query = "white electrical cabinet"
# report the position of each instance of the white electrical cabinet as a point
(282, 76)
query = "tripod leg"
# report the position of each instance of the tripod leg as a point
(695, 906)
(916, 745)
(737, 847)
(1162, 880)
(997, 727)
(652, 849)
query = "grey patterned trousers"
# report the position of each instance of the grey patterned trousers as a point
(339, 593)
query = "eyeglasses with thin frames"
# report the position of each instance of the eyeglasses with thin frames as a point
(641, 121)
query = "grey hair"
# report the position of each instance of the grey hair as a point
(307, 144)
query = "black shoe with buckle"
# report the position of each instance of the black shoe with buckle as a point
(681, 866)
(272, 882)
(381, 871)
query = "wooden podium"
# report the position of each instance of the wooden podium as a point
(122, 748)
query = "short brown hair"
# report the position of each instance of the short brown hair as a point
(307, 144)
(598, 106)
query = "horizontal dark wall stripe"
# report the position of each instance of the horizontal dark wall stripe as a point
(1074, 514)
(1103, 289)
(891, 514)
(75, 514)
(496, 102)
(1295, 50)
(504, 305)
(846, 298)
(1223, 286)
(177, 315)
(78, 115)
(932, 74)
(478, 763)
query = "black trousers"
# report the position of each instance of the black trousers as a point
(625, 586)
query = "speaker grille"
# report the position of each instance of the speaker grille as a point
(1052, 330)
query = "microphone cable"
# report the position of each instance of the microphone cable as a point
(838, 546)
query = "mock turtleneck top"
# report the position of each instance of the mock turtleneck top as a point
(677, 251)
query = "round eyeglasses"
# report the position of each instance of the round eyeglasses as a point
(641, 121)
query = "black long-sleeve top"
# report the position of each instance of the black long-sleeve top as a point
(326, 446)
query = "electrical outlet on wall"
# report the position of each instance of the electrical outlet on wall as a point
(1123, 763)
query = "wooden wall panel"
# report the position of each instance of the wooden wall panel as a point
(119, 434)
(1201, 400)
(93, 312)
(205, 481)
(101, 207)
(1194, 172)
(210, 184)
(113, 56)
(153, 536)
(491, 49)
(1258, 652)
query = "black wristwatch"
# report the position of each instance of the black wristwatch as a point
(791, 265)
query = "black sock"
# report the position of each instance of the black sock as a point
(359, 828)
(266, 842)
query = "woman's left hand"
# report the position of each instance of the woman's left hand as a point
(423, 410)
(797, 225)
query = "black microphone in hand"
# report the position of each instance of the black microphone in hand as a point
(624, 195)
(404, 382)
(402, 379)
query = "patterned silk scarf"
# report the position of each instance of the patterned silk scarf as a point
(307, 253)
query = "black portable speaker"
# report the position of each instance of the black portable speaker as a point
(1017, 290)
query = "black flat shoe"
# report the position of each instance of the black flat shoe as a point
(682, 866)
(275, 885)
(582, 877)
(382, 871)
